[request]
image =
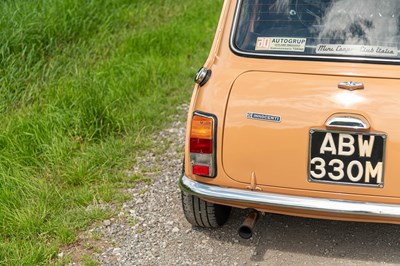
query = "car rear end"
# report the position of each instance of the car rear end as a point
(300, 111)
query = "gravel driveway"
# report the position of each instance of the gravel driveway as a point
(151, 228)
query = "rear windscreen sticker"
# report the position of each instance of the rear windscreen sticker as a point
(281, 44)
(356, 50)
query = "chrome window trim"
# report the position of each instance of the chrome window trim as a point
(295, 56)
(265, 199)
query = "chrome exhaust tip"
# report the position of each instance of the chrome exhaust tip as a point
(247, 228)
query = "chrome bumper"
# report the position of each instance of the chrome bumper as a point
(286, 201)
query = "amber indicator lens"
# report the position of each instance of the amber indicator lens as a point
(202, 127)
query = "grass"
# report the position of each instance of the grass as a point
(83, 85)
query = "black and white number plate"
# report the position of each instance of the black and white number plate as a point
(346, 157)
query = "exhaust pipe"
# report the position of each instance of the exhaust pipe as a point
(246, 229)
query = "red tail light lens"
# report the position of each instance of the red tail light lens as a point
(201, 170)
(201, 145)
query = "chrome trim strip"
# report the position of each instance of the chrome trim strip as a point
(294, 56)
(287, 201)
(347, 122)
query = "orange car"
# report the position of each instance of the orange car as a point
(297, 112)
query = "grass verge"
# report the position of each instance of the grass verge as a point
(83, 85)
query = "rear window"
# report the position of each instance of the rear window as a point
(343, 29)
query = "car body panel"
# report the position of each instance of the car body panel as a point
(276, 151)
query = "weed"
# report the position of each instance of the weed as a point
(132, 221)
(89, 261)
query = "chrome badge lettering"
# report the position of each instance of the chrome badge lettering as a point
(264, 117)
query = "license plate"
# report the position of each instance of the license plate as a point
(347, 158)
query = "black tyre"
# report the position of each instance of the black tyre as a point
(202, 213)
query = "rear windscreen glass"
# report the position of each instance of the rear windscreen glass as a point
(340, 28)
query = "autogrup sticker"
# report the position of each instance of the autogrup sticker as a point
(281, 44)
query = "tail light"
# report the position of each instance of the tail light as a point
(202, 145)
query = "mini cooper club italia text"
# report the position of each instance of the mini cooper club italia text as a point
(297, 112)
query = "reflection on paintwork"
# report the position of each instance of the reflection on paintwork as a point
(348, 99)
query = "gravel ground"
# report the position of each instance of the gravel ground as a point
(151, 228)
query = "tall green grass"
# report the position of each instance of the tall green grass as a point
(83, 83)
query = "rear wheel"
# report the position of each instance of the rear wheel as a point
(201, 213)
